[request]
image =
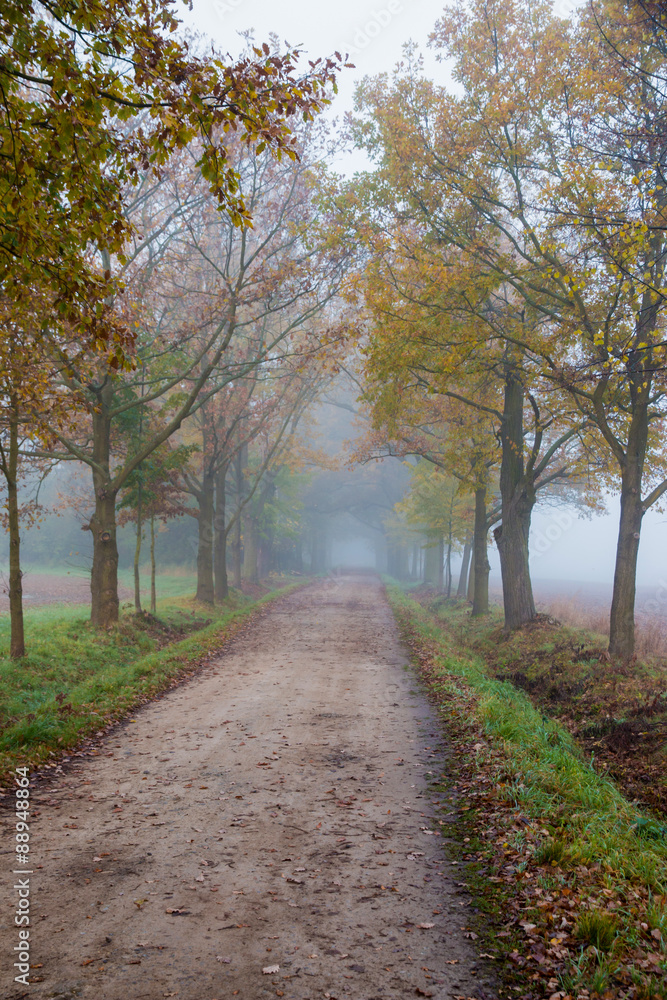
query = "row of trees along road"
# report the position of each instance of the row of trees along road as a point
(133, 286)
(517, 245)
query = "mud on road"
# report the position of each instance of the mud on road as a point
(266, 829)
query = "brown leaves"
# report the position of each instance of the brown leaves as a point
(538, 906)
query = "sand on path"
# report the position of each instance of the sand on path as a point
(265, 829)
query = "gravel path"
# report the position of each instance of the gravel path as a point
(264, 830)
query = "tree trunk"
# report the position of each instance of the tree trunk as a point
(622, 618)
(250, 549)
(17, 636)
(237, 546)
(518, 500)
(471, 577)
(462, 588)
(397, 559)
(448, 567)
(205, 587)
(220, 556)
(265, 535)
(153, 591)
(480, 568)
(440, 549)
(431, 553)
(298, 555)
(137, 556)
(265, 555)
(104, 574)
(318, 549)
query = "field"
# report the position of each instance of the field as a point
(586, 605)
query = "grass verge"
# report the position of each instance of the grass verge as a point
(77, 681)
(616, 713)
(572, 876)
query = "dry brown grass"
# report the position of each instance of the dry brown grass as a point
(650, 628)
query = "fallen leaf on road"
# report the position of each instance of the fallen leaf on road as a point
(175, 912)
(225, 961)
(426, 927)
(269, 970)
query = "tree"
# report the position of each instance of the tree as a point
(281, 282)
(25, 382)
(442, 325)
(96, 94)
(546, 172)
(210, 303)
(436, 503)
(152, 492)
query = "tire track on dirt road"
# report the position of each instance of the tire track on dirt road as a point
(263, 830)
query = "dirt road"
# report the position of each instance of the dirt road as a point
(264, 830)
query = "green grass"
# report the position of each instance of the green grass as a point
(571, 836)
(550, 775)
(170, 583)
(597, 929)
(76, 679)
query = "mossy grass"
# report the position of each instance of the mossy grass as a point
(75, 679)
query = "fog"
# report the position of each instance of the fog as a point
(345, 507)
(565, 545)
(568, 548)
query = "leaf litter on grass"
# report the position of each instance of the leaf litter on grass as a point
(534, 897)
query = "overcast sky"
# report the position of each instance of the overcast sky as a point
(373, 34)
